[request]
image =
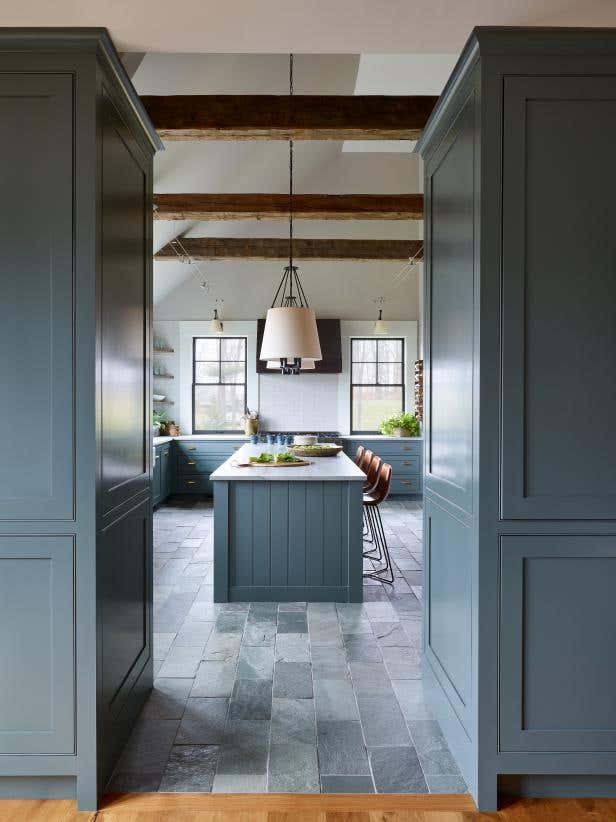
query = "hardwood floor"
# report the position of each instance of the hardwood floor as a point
(160, 807)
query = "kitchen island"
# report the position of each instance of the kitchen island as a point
(285, 534)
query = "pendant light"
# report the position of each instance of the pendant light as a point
(379, 326)
(290, 336)
(216, 326)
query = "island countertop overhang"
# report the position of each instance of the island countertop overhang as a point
(321, 469)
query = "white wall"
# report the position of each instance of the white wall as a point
(303, 403)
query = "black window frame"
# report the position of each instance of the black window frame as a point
(353, 385)
(196, 384)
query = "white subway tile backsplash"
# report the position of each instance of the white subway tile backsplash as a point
(299, 403)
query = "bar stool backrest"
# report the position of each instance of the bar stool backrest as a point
(359, 454)
(366, 460)
(383, 484)
(373, 471)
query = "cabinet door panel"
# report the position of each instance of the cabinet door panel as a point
(124, 315)
(37, 700)
(36, 308)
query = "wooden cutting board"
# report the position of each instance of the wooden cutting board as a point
(272, 464)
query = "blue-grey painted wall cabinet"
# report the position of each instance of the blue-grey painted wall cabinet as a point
(75, 504)
(520, 353)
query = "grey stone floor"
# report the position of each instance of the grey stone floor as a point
(297, 697)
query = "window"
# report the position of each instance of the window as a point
(377, 382)
(219, 384)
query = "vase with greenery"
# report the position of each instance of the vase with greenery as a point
(401, 425)
(159, 422)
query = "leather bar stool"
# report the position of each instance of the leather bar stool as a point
(380, 552)
(363, 465)
(372, 476)
(359, 454)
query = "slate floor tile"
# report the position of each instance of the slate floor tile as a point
(162, 644)
(390, 634)
(194, 632)
(145, 756)
(362, 648)
(335, 700)
(255, 662)
(382, 721)
(251, 699)
(340, 783)
(293, 680)
(203, 722)
(222, 647)
(214, 679)
(341, 748)
(260, 633)
(240, 783)
(292, 606)
(402, 663)
(293, 720)
(446, 783)
(167, 699)
(406, 604)
(293, 768)
(245, 748)
(397, 770)
(329, 663)
(431, 748)
(230, 622)
(182, 661)
(190, 768)
(292, 622)
(411, 698)
(370, 679)
(292, 648)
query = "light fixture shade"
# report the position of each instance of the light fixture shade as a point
(216, 326)
(380, 327)
(307, 365)
(290, 332)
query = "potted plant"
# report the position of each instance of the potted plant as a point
(401, 425)
(159, 423)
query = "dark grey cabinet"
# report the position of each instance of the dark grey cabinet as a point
(520, 347)
(163, 472)
(75, 317)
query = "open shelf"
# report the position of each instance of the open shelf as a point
(164, 350)
(163, 376)
(162, 402)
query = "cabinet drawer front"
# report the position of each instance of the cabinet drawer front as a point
(383, 448)
(197, 464)
(406, 485)
(193, 485)
(405, 466)
(223, 448)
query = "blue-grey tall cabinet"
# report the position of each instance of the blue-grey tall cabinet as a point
(75, 453)
(520, 443)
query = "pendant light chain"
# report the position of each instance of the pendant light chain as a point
(291, 177)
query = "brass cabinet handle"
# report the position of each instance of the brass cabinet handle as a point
(406, 447)
(407, 462)
(237, 447)
(191, 462)
(406, 482)
(191, 482)
(192, 447)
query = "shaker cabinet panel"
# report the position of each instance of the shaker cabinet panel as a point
(36, 309)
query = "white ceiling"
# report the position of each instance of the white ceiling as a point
(335, 289)
(320, 26)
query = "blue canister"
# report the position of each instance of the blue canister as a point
(271, 439)
(254, 439)
(289, 439)
(280, 439)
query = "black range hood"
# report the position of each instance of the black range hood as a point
(331, 349)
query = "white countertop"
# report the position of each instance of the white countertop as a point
(321, 469)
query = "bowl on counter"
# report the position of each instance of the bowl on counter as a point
(305, 439)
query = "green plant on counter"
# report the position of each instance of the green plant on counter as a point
(269, 458)
(406, 423)
(264, 457)
(159, 420)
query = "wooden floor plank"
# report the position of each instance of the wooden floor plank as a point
(159, 807)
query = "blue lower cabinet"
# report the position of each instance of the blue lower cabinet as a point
(404, 455)
(162, 473)
(184, 466)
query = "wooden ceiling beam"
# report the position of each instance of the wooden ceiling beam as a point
(280, 117)
(276, 206)
(259, 248)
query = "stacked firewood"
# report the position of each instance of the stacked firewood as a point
(419, 390)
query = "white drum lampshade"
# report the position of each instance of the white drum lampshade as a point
(290, 332)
